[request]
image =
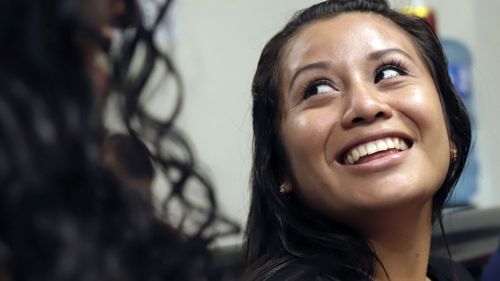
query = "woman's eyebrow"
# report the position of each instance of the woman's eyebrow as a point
(380, 53)
(323, 65)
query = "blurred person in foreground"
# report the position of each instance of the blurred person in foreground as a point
(128, 158)
(63, 214)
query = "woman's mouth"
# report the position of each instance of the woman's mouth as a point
(369, 150)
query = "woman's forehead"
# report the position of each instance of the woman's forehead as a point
(342, 37)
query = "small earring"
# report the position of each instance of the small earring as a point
(282, 189)
(454, 154)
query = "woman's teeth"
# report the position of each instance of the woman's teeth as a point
(369, 148)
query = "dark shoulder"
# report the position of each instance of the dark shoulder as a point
(444, 269)
(300, 275)
(287, 269)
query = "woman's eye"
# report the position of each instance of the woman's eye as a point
(389, 72)
(320, 87)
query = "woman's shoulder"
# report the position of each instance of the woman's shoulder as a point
(319, 271)
(292, 275)
(444, 269)
(288, 269)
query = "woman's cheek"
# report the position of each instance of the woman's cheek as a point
(307, 132)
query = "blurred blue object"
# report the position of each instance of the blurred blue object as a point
(459, 68)
(491, 271)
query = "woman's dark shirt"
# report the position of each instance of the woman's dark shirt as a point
(440, 269)
(443, 269)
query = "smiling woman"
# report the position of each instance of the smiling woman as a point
(359, 139)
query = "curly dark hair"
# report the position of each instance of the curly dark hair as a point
(63, 215)
(285, 236)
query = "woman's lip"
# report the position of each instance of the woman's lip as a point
(382, 162)
(371, 137)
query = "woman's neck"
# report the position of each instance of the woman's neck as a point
(401, 239)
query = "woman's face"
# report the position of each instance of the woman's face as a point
(361, 121)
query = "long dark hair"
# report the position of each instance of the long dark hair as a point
(63, 216)
(285, 237)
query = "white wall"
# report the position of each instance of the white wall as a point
(219, 42)
(486, 49)
(476, 24)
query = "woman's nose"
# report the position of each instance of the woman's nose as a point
(365, 105)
